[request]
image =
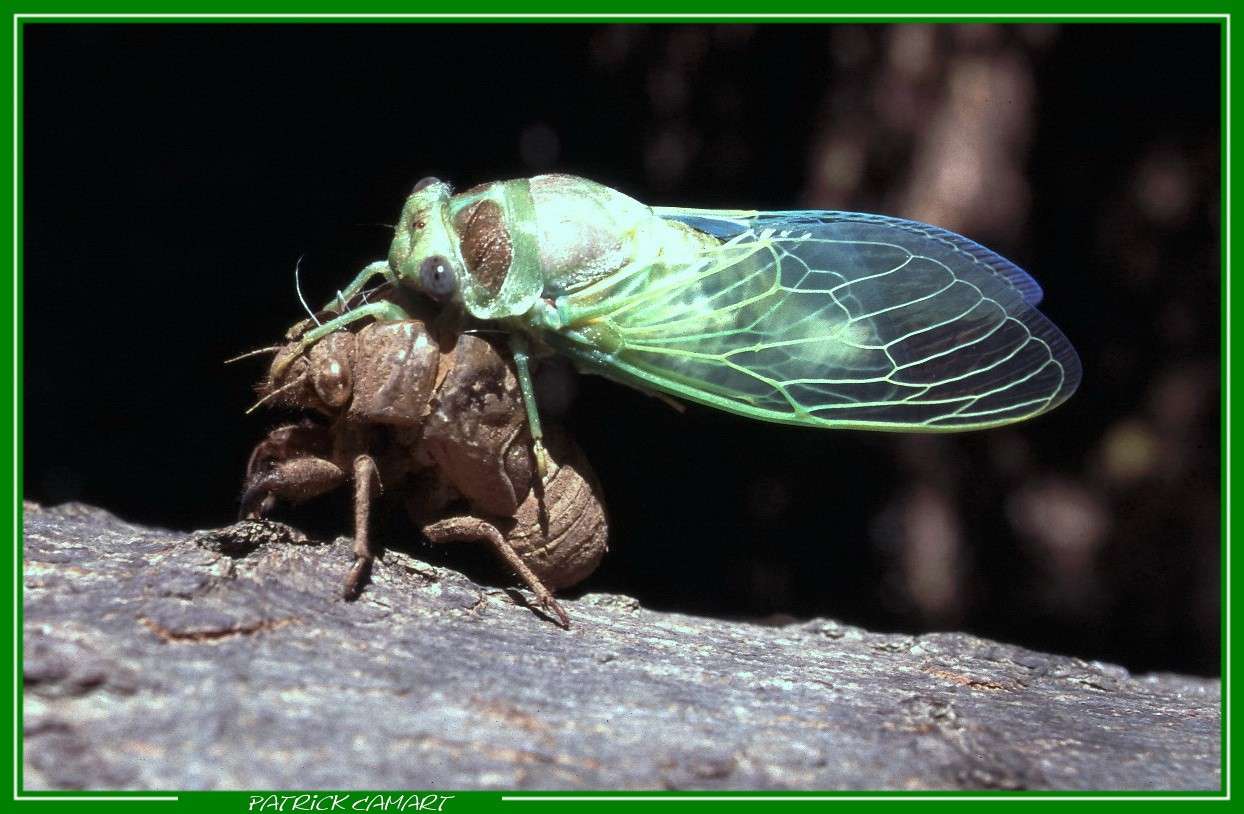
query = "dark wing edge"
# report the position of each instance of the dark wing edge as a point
(731, 224)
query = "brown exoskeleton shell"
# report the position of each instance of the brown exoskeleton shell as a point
(443, 425)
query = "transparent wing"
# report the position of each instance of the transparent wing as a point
(835, 319)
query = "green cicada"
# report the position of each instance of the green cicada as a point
(811, 318)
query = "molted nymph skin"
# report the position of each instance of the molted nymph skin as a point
(570, 548)
(284, 442)
(384, 374)
(477, 432)
(319, 380)
(443, 427)
(332, 371)
(294, 461)
(395, 370)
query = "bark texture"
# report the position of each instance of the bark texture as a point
(224, 659)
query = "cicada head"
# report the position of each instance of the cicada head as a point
(424, 253)
(475, 250)
(320, 379)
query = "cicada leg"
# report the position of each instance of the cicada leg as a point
(522, 366)
(290, 464)
(383, 311)
(470, 528)
(366, 479)
(380, 268)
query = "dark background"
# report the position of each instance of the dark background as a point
(175, 174)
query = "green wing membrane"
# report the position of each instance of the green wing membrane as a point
(833, 319)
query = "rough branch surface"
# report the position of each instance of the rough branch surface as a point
(161, 660)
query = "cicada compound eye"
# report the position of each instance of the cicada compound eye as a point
(332, 381)
(436, 277)
(424, 183)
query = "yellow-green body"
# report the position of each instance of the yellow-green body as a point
(567, 234)
(813, 318)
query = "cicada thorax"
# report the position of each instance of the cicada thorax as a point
(484, 243)
(588, 231)
(503, 249)
(477, 249)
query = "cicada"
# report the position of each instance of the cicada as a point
(810, 318)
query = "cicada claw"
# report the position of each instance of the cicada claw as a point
(542, 459)
(549, 604)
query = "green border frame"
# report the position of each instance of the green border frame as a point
(11, 302)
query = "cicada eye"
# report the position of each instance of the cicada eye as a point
(424, 183)
(436, 277)
(333, 381)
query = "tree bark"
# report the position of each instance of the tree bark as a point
(225, 659)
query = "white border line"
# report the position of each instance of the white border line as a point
(17, 515)
(1225, 497)
(640, 16)
(96, 799)
(823, 798)
(1225, 229)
